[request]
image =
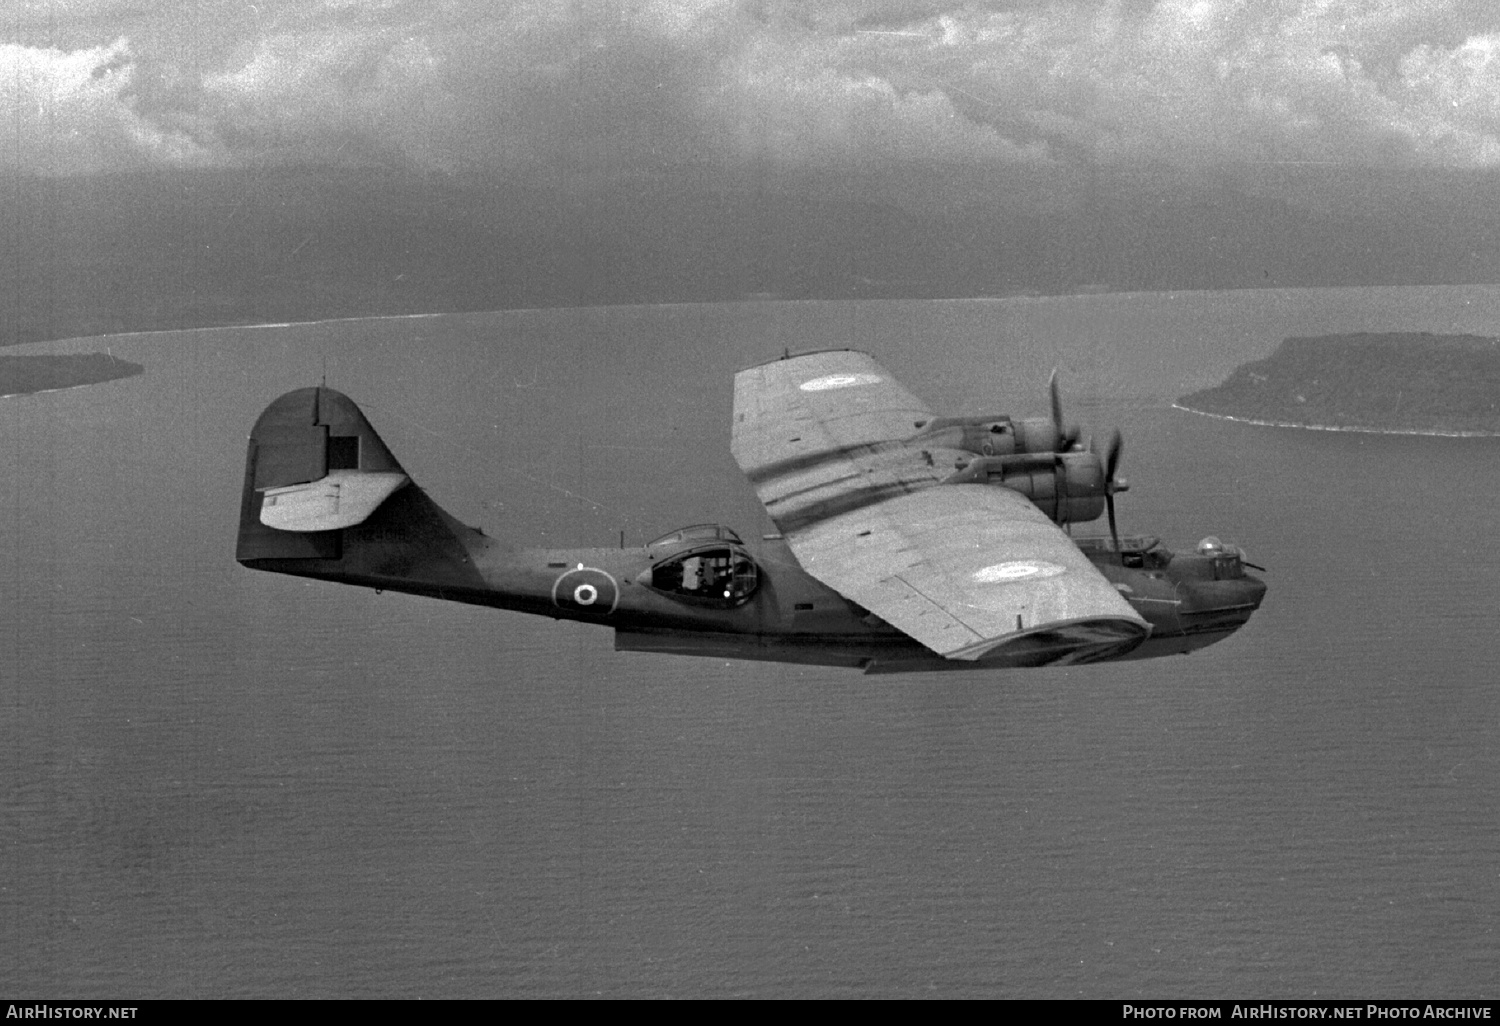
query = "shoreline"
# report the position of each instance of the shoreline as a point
(314, 318)
(62, 388)
(1330, 427)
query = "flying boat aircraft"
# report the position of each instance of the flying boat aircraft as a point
(906, 541)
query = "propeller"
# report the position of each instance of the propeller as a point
(1113, 484)
(1067, 437)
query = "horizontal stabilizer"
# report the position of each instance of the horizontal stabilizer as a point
(343, 498)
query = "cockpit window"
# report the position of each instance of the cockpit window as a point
(1227, 567)
(724, 577)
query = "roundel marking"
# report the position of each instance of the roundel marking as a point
(828, 381)
(586, 588)
(1018, 570)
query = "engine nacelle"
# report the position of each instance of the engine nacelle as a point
(1067, 486)
(995, 436)
(1034, 435)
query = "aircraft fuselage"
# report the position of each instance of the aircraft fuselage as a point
(1190, 600)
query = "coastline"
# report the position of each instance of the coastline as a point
(1330, 427)
(58, 388)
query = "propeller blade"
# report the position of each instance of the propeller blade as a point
(1055, 392)
(1112, 458)
(1111, 483)
(1066, 437)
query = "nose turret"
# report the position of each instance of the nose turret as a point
(1214, 588)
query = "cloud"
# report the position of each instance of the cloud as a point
(1454, 95)
(797, 109)
(74, 113)
(547, 89)
(311, 96)
(1214, 81)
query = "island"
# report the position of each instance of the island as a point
(1407, 383)
(23, 375)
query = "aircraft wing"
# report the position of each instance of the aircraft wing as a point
(964, 569)
(809, 406)
(815, 433)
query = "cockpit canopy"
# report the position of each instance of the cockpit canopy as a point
(696, 533)
(723, 576)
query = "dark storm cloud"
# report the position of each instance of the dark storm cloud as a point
(1007, 92)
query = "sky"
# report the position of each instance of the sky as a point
(894, 147)
(1018, 92)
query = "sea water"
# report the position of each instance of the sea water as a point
(216, 782)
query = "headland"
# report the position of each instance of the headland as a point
(1402, 383)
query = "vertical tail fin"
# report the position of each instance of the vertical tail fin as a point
(324, 497)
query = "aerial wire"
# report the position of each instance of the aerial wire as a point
(601, 507)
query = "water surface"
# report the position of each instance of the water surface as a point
(215, 782)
